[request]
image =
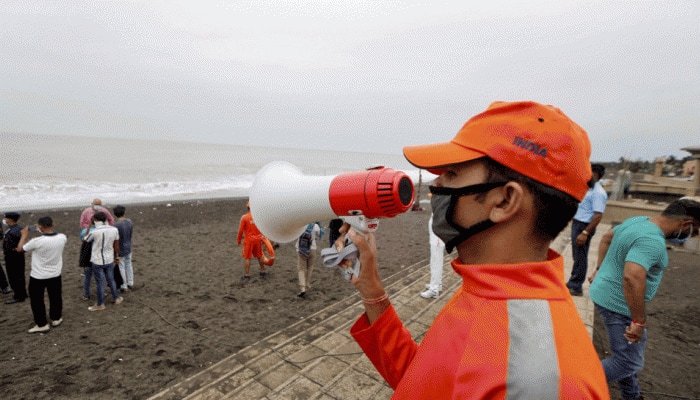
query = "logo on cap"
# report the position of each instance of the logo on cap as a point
(530, 146)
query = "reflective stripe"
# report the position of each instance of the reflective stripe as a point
(533, 365)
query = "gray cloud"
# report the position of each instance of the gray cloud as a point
(361, 76)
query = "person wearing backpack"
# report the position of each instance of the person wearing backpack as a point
(306, 255)
(84, 261)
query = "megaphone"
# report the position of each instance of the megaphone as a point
(283, 200)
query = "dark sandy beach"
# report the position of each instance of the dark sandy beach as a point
(189, 308)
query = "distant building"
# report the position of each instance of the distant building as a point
(694, 168)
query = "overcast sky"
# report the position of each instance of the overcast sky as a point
(359, 75)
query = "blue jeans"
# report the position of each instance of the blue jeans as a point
(87, 272)
(100, 272)
(126, 270)
(627, 358)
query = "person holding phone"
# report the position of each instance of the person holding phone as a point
(14, 258)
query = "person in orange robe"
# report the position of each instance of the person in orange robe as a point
(252, 239)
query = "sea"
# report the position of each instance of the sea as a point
(39, 172)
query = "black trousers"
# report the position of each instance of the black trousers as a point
(36, 296)
(580, 256)
(14, 264)
(3, 279)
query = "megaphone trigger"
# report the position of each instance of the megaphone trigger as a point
(361, 223)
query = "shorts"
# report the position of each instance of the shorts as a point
(252, 248)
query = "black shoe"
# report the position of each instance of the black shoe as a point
(301, 294)
(245, 278)
(263, 274)
(576, 292)
(7, 290)
(13, 301)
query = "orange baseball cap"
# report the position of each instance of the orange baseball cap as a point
(536, 140)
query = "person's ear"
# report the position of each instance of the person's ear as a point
(687, 223)
(509, 201)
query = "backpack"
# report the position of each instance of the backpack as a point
(305, 241)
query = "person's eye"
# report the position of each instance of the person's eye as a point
(450, 173)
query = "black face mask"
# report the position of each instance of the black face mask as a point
(443, 203)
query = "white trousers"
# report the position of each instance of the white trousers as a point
(437, 258)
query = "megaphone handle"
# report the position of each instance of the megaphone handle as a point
(331, 257)
(361, 223)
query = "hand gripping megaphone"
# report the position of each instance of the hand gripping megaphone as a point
(283, 200)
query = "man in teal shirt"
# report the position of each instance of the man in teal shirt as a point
(631, 260)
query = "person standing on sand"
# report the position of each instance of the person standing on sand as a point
(84, 261)
(437, 258)
(126, 231)
(14, 258)
(87, 214)
(45, 275)
(632, 258)
(306, 246)
(583, 226)
(105, 253)
(507, 184)
(4, 284)
(252, 241)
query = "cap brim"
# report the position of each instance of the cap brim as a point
(436, 157)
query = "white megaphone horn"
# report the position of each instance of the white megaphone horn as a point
(283, 200)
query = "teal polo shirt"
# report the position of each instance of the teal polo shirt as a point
(636, 240)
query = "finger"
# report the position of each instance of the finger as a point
(345, 264)
(340, 242)
(358, 239)
(345, 228)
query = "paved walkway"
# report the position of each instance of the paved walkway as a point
(316, 358)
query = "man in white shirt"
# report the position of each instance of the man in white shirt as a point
(105, 253)
(45, 275)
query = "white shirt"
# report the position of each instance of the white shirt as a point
(47, 256)
(102, 238)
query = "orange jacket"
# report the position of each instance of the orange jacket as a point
(510, 331)
(248, 229)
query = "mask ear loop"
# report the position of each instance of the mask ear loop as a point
(465, 234)
(690, 233)
(455, 194)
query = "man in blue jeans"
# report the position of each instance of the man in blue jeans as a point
(587, 217)
(105, 253)
(631, 260)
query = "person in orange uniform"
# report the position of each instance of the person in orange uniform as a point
(507, 184)
(252, 240)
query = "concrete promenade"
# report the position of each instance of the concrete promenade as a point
(316, 358)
